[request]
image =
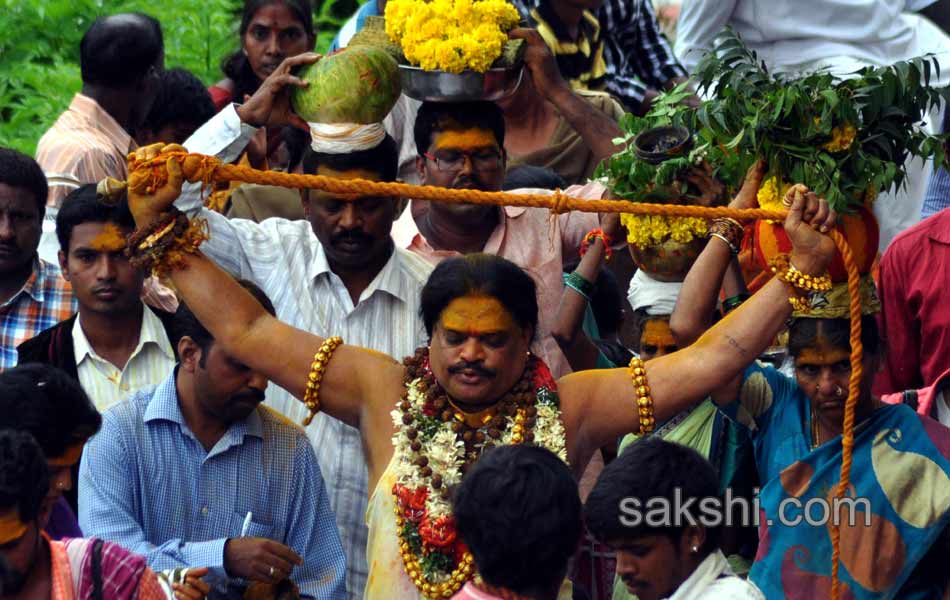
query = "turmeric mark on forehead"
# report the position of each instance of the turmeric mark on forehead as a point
(472, 138)
(110, 239)
(823, 353)
(476, 315)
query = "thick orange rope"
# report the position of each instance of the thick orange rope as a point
(205, 169)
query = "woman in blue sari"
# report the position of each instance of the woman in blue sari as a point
(899, 478)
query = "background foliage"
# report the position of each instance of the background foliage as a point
(39, 50)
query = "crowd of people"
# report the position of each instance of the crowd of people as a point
(465, 401)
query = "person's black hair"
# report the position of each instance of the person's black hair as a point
(181, 98)
(185, 323)
(531, 176)
(650, 468)
(297, 141)
(18, 170)
(804, 333)
(519, 513)
(382, 160)
(24, 476)
(49, 405)
(82, 206)
(237, 67)
(119, 50)
(606, 301)
(485, 274)
(614, 351)
(434, 117)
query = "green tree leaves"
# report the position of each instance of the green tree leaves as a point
(39, 50)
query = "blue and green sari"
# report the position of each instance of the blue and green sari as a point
(900, 481)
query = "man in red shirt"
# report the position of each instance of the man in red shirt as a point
(915, 315)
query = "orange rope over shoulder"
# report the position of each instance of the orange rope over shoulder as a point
(149, 175)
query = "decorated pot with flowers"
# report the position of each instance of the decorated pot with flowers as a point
(845, 139)
(455, 50)
(859, 228)
(658, 165)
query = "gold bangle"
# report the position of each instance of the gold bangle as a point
(311, 395)
(638, 376)
(785, 271)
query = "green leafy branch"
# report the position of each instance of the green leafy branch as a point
(843, 138)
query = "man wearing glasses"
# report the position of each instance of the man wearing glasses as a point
(461, 146)
(336, 272)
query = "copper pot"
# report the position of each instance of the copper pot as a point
(669, 260)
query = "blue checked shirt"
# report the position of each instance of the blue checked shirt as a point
(45, 300)
(147, 483)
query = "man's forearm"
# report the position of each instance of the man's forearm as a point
(594, 126)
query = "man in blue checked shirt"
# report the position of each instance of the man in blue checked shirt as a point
(196, 473)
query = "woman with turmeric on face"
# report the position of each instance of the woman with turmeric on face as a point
(900, 460)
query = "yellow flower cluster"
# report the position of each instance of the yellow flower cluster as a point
(451, 35)
(770, 195)
(841, 138)
(649, 230)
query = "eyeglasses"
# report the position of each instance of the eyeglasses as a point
(454, 161)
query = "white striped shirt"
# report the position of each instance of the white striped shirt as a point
(287, 261)
(149, 364)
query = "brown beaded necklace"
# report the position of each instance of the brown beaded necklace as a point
(479, 431)
(423, 536)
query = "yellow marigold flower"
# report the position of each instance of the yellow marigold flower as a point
(650, 230)
(841, 138)
(451, 35)
(770, 194)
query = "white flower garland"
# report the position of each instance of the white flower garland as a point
(446, 453)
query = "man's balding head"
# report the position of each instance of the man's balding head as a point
(119, 50)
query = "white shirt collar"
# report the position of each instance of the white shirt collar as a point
(389, 279)
(151, 332)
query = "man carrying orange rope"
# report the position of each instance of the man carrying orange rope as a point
(475, 386)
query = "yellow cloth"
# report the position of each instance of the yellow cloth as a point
(387, 577)
(834, 303)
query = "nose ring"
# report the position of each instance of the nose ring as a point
(839, 392)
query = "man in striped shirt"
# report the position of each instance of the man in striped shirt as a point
(572, 32)
(638, 60)
(33, 295)
(336, 273)
(121, 58)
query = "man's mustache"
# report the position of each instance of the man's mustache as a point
(468, 181)
(252, 395)
(352, 235)
(476, 366)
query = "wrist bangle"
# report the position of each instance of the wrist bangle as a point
(157, 248)
(731, 303)
(801, 286)
(729, 231)
(595, 234)
(733, 249)
(784, 269)
(576, 282)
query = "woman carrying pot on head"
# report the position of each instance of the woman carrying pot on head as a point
(900, 476)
